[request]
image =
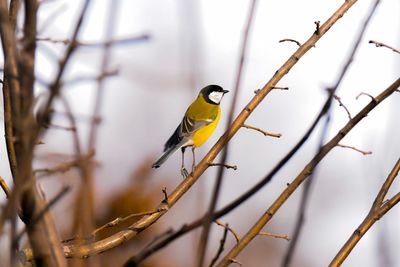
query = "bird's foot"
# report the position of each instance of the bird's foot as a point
(184, 172)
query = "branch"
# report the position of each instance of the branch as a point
(101, 44)
(379, 44)
(81, 251)
(301, 177)
(5, 187)
(207, 223)
(223, 165)
(356, 149)
(307, 187)
(286, 237)
(247, 126)
(342, 105)
(376, 212)
(221, 246)
(290, 40)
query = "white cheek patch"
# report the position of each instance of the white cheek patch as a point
(216, 97)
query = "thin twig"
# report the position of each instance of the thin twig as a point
(286, 237)
(225, 225)
(366, 94)
(221, 246)
(223, 165)
(101, 44)
(290, 40)
(342, 105)
(355, 149)
(248, 126)
(5, 187)
(379, 44)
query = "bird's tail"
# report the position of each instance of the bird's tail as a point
(165, 156)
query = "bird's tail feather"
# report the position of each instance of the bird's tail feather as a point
(165, 156)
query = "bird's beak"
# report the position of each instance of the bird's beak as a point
(225, 91)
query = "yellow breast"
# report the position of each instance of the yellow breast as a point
(201, 110)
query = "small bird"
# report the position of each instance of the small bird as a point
(197, 125)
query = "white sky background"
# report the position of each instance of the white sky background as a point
(195, 43)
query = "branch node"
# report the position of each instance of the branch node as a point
(317, 24)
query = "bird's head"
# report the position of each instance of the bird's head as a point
(213, 94)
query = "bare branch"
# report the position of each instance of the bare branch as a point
(286, 237)
(5, 187)
(225, 225)
(248, 126)
(356, 149)
(130, 40)
(379, 44)
(221, 246)
(342, 105)
(224, 165)
(366, 94)
(290, 40)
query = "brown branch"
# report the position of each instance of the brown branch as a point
(290, 40)
(307, 187)
(306, 172)
(223, 165)
(5, 187)
(120, 41)
(225, 225)
(248, 126)
(342, 105)
(82, 251)
(221, 246)
(44, 210)
(356, 149)
(207, 223)
(281, 88)
(286, 237)
(366, 94)
(63, 167)
(235, 261)
(376, 212)
(379, 44)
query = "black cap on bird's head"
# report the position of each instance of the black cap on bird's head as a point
(213, 93)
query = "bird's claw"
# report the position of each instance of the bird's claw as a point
(184, 172)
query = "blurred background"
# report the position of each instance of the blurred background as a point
(196, 43)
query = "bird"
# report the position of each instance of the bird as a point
(199, 122)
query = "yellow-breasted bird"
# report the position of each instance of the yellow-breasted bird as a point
(197, 125)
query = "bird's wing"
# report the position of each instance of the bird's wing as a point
(190, 125)
(185, 130)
